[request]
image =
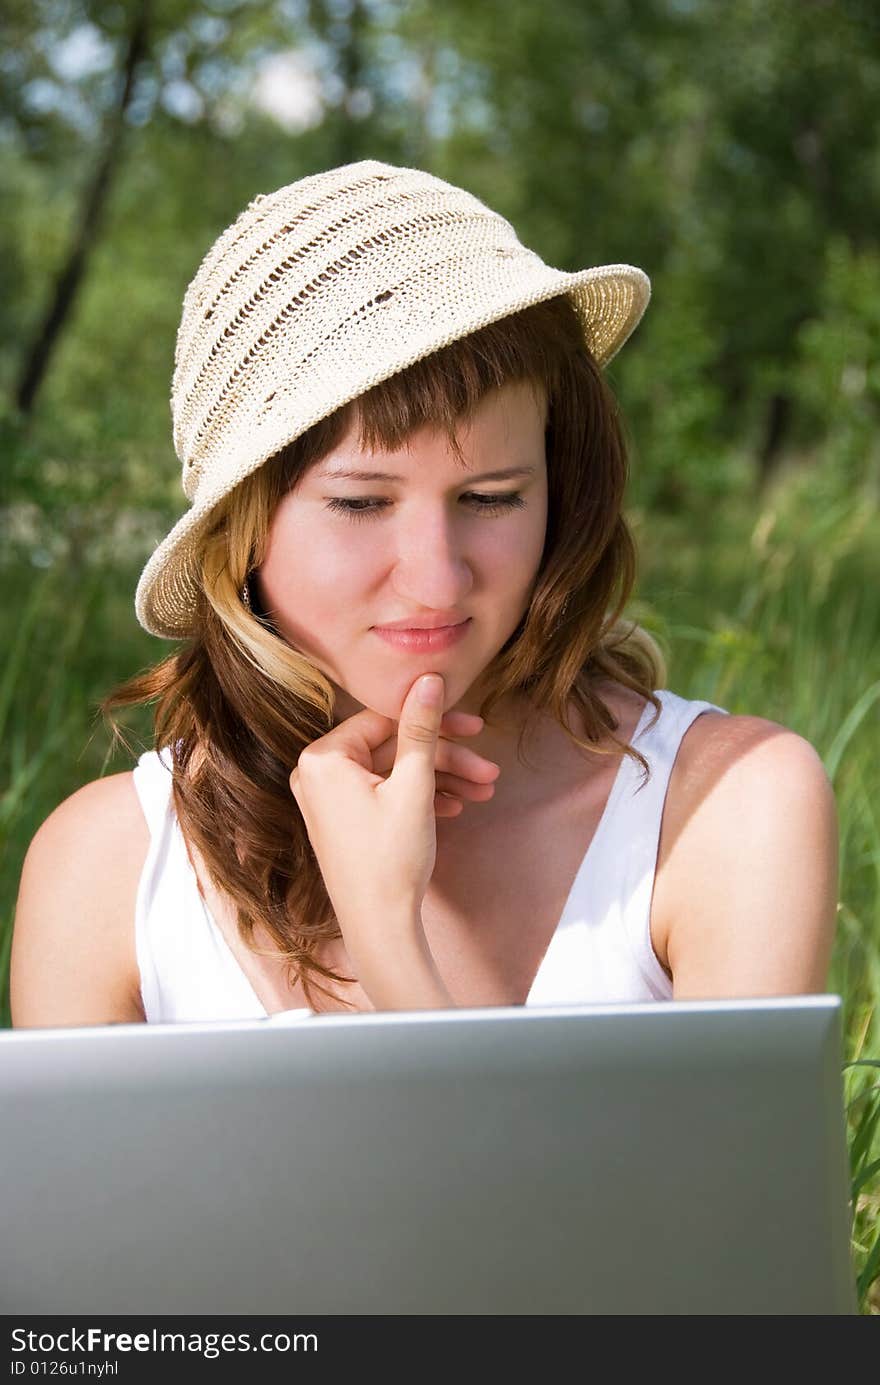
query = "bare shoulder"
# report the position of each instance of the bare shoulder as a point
(732, 764)
(73, 948)
(748, 856)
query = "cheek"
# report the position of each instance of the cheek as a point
(301, 558)
(309, 578)
(331, 568)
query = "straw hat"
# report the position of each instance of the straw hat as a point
(316, 293)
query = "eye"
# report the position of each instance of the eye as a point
(489, 504)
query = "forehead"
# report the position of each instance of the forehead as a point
(507, 426)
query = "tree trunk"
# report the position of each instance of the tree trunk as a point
(94, 202)
(775, 430)
(346, 38)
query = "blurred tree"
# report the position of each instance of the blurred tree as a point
(721, 147)
(344, 31)
(791, 163)
(133, 52)
(92, 68)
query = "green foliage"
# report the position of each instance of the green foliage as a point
(837, 378)
(863, 1120)
(682, 460)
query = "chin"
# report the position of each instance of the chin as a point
(388, 699)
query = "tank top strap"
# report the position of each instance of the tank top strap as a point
(187, 970)
(634, 829)
(153, 780)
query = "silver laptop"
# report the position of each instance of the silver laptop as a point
(679, 1158)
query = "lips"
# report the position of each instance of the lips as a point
(421, 641)
(440, 620)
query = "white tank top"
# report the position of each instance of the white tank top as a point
(600, 951)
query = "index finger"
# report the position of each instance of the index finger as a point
(461, 724)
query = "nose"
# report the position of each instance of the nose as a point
(432, 562)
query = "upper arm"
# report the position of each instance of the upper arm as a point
(73, 947)
(753, 863)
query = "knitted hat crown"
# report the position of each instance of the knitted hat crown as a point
(316, 293)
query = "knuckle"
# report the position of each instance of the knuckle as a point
(417, 732)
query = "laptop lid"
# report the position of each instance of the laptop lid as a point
(688, 1157)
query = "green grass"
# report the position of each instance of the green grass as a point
(764, 608)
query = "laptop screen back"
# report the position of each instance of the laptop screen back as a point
(680, 1158)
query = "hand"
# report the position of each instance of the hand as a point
(375, 839)
(461, 776)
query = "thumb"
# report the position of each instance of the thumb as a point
(419, 730)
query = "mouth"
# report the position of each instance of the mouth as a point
(423, 641)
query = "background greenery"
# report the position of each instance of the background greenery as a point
(730, 149)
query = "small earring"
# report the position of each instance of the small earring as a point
(246, 594)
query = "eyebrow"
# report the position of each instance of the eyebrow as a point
(504, 475)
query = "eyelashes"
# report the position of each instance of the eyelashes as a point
(488, 504)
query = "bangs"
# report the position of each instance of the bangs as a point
(534, 346)
(446, 387)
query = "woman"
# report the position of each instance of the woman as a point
(391, 417)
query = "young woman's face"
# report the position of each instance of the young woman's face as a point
(428, 541)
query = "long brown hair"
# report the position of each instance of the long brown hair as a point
(237, 704)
